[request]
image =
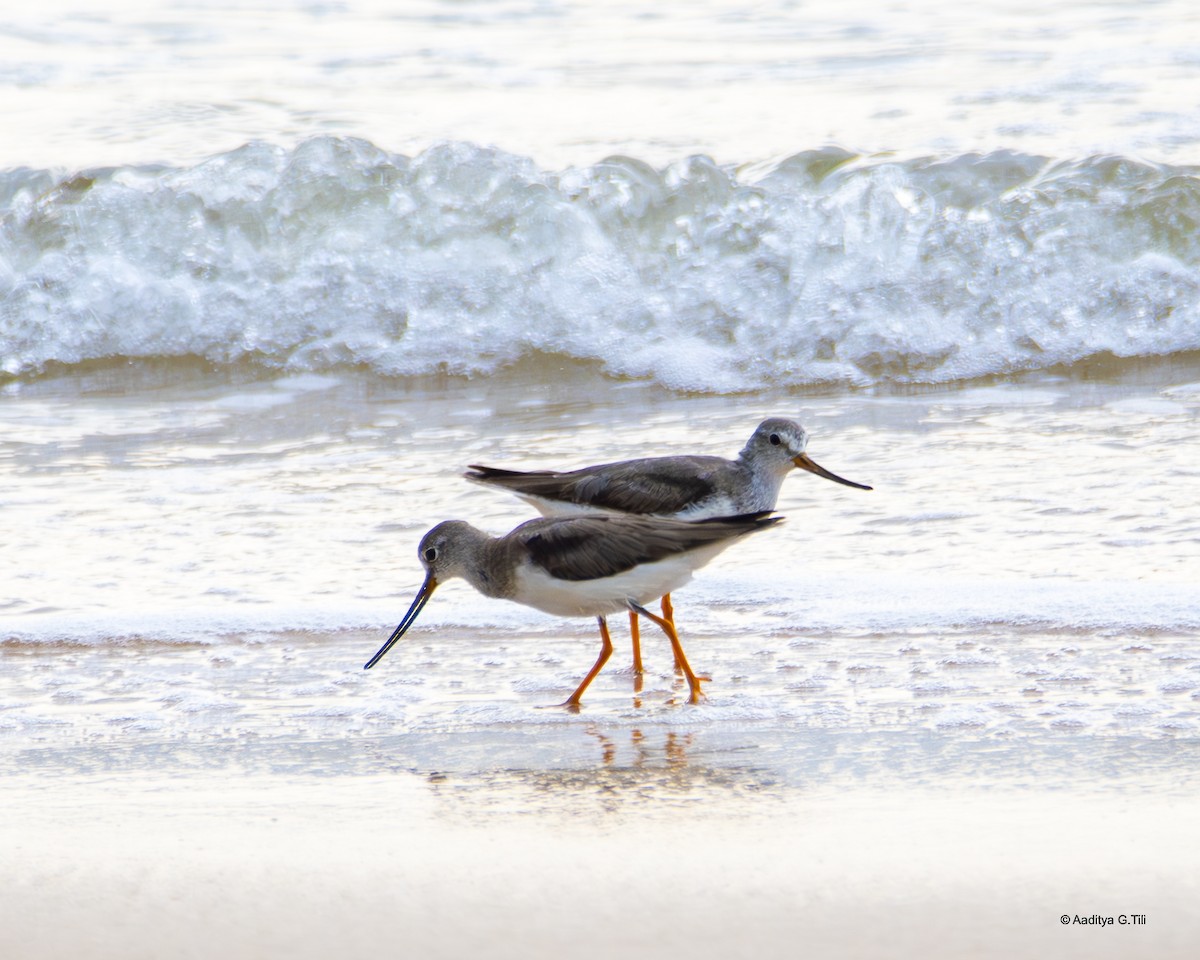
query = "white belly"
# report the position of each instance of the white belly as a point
(704, 510)
(565, 508)
(607, 595)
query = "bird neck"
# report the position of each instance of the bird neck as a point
(487, 570)
(765, 477)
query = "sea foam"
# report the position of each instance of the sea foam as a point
(826, 267)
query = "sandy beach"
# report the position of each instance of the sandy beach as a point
(956, 726)
(592, 864)
(273, 275)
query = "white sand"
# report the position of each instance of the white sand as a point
(395, 866)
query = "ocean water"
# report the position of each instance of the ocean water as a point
(271, 275)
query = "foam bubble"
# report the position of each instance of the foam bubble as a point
(826, 267)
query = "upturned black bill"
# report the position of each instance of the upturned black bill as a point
(804, 462)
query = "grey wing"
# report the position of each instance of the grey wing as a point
(589, 548)
(650, 489)
(534, 483)
(651, 486)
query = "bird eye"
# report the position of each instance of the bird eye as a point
(431, 554)
(775, 441)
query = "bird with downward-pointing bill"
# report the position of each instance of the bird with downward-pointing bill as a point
(590, 566)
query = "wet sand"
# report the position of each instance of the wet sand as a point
(964, 706)
(587, 865)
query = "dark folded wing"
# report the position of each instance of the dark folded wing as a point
(536, 483)
(588, 548)
(655, 485)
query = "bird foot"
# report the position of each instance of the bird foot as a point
(565, 705)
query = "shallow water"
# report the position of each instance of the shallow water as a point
(209, 563)
(272, 275)
(571, 81)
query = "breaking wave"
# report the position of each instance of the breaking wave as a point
(826, 267)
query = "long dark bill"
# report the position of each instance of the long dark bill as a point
(419, 601)
(804, 462)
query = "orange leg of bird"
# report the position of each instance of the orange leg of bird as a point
(669, 629)
(667, 609)
(606, 649)
(669, 616)
(668, 613)
(635, 637)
